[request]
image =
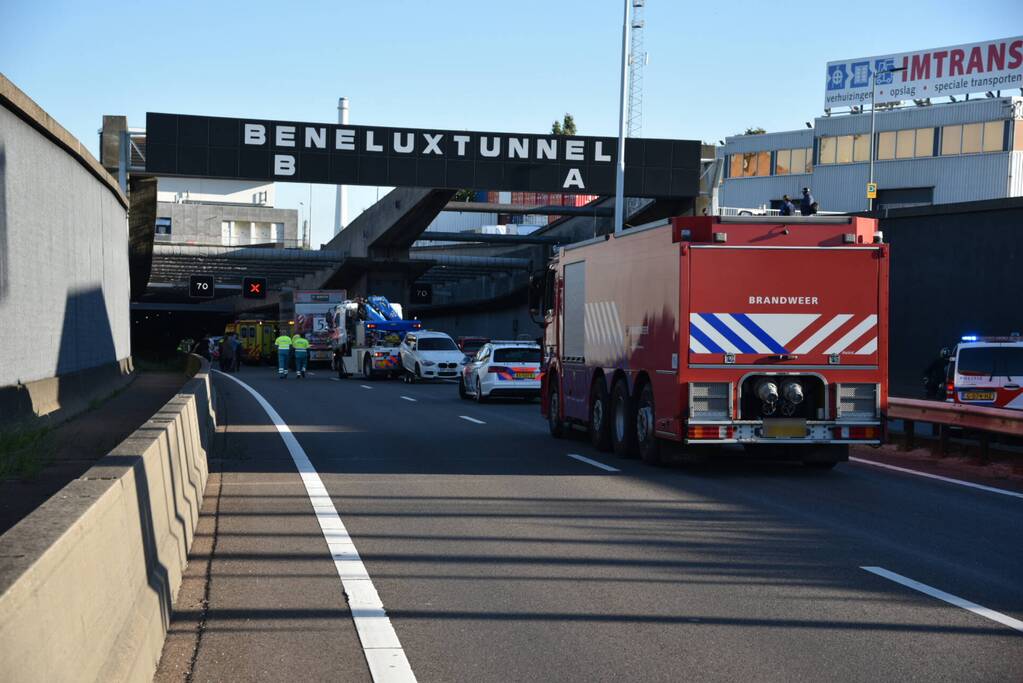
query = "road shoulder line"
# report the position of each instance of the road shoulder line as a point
(384, 654)
(928, 475)
(947, 597)
(588, 461)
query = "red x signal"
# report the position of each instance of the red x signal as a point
(254, 288)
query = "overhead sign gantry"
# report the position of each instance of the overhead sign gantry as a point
(339, 154)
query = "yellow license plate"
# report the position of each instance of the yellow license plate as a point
(784, 429)
(524, 375)
(978, 396)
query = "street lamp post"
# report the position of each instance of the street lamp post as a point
(873, 87)
(619, 217)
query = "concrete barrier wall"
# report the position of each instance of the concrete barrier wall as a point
(63, 253)
(87, 580)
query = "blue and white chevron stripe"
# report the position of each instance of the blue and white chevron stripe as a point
(762, 333)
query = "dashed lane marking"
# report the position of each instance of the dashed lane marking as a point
(380, 645)
(409, 398)
(365, 386)
(472, 419)
(947, 480)
(947, 597)
(588, 461)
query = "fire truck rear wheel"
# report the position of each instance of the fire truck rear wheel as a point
(599, 427)
(554, 423)
(646, 440)
(623, 421)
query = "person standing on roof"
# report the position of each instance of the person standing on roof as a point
(301, 346)
(283, 344)
(806, 203)
(787, 207)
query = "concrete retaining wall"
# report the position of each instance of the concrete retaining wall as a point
(63, 252)
(87, 580)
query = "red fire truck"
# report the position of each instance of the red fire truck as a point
(763, 331)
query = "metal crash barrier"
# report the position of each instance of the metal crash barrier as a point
(986, 421)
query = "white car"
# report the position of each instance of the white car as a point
(502, 368)
(430, 355)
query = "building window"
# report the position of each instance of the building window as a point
(802, 160)
(904, 144)
(735, 166)
(763, 164)
(886, 145)
(826, 154)
(973, 133)
(782, 162)
(845, 149)
(924, 142)
(973, 138)
(951, 139)
(993, 136)
(163, 226)
(861, 147)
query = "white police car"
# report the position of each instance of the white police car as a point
(430, 355)
(502, 368)
(987, 371)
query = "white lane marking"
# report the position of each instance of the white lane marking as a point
(472, 419)
(409, 398)
(335, 379)
(365, 386)
(948, 480)
(947, 597)
(380, 645)
(583, 458)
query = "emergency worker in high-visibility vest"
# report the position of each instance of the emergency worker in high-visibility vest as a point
(283, 344)
(301, 346)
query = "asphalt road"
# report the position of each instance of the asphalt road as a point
(500, 558)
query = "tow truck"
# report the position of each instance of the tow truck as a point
(768, 332)
(365, 335)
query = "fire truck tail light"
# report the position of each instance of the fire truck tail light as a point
(857, 401)
(857, 432)
(710, 432)
(710, 401)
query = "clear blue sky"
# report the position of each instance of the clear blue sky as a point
(715, 67)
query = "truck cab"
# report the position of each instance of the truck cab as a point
(769, 332)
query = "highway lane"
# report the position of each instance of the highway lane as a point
(498, 557)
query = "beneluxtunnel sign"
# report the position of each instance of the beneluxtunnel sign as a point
(290, 151)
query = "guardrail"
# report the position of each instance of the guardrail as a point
(984, 420)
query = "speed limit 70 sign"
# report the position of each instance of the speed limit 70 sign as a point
(200, 286)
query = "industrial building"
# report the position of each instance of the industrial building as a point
(924, 154)
(203, 211)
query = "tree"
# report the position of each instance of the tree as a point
(564, 127)
(755, 131)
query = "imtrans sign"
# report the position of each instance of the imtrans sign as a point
(202, 146)
(957, 70)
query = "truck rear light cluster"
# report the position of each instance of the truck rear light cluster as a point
(950, 391)
(857, 432)
(710, 432)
